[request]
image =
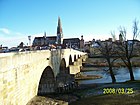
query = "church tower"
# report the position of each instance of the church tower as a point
(120, 38)
(82, 43)
(59, 32)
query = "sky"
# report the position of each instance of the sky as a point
(90, 18)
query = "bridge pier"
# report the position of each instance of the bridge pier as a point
(76, 67)
(84, 57)
(46, 89)
(63, 82)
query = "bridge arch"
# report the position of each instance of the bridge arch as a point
(74, 57)
(70, 60)
(78, 56)
(47, 82)
(64, 75)
(63, 69)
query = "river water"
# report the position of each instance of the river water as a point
(121, 74)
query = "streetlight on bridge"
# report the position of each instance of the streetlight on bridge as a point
(29, 37)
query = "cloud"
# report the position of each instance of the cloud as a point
(5, 30)
(10, 33)
(18, 33)
(12, 38)
(13, 41)
(18, 37)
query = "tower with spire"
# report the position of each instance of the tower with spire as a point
(120, 38)
(59, 32)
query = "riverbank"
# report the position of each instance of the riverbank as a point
(41, 100)
(86, 69)
(93, 94)
(87, 77)
(101, 62)
(109, 100)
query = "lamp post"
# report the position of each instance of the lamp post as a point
(29, 37)
(45, 40)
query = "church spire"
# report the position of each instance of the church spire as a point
(59, 32)
(45, 34)
(59, 27)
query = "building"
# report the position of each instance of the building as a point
(87, 46)
(94, 49)
(39, 41)
(50, 40)
(45, 40)
(3, 49)
(72, 43)
(82, 43)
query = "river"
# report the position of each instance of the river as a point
(121, 74)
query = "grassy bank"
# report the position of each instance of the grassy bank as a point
(93, 95)
(109, 100)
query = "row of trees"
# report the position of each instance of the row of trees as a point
(120, 49)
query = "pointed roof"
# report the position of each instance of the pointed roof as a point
(59, 27)
(45, 34)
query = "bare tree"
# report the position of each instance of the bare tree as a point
(113, 35)
(125, 49)
(107, 50)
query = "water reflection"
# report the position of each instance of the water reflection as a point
(121, 74)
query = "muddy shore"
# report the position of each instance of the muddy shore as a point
(92, 94)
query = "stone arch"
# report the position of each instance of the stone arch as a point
(62, 67)
(47, 82)
(74, 57)
(63, 77)
(78, 56)
(70, 60)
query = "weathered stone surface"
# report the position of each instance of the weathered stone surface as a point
(21, 72)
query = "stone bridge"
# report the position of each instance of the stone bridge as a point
(24, 75)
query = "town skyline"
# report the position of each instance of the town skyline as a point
(92, 19)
